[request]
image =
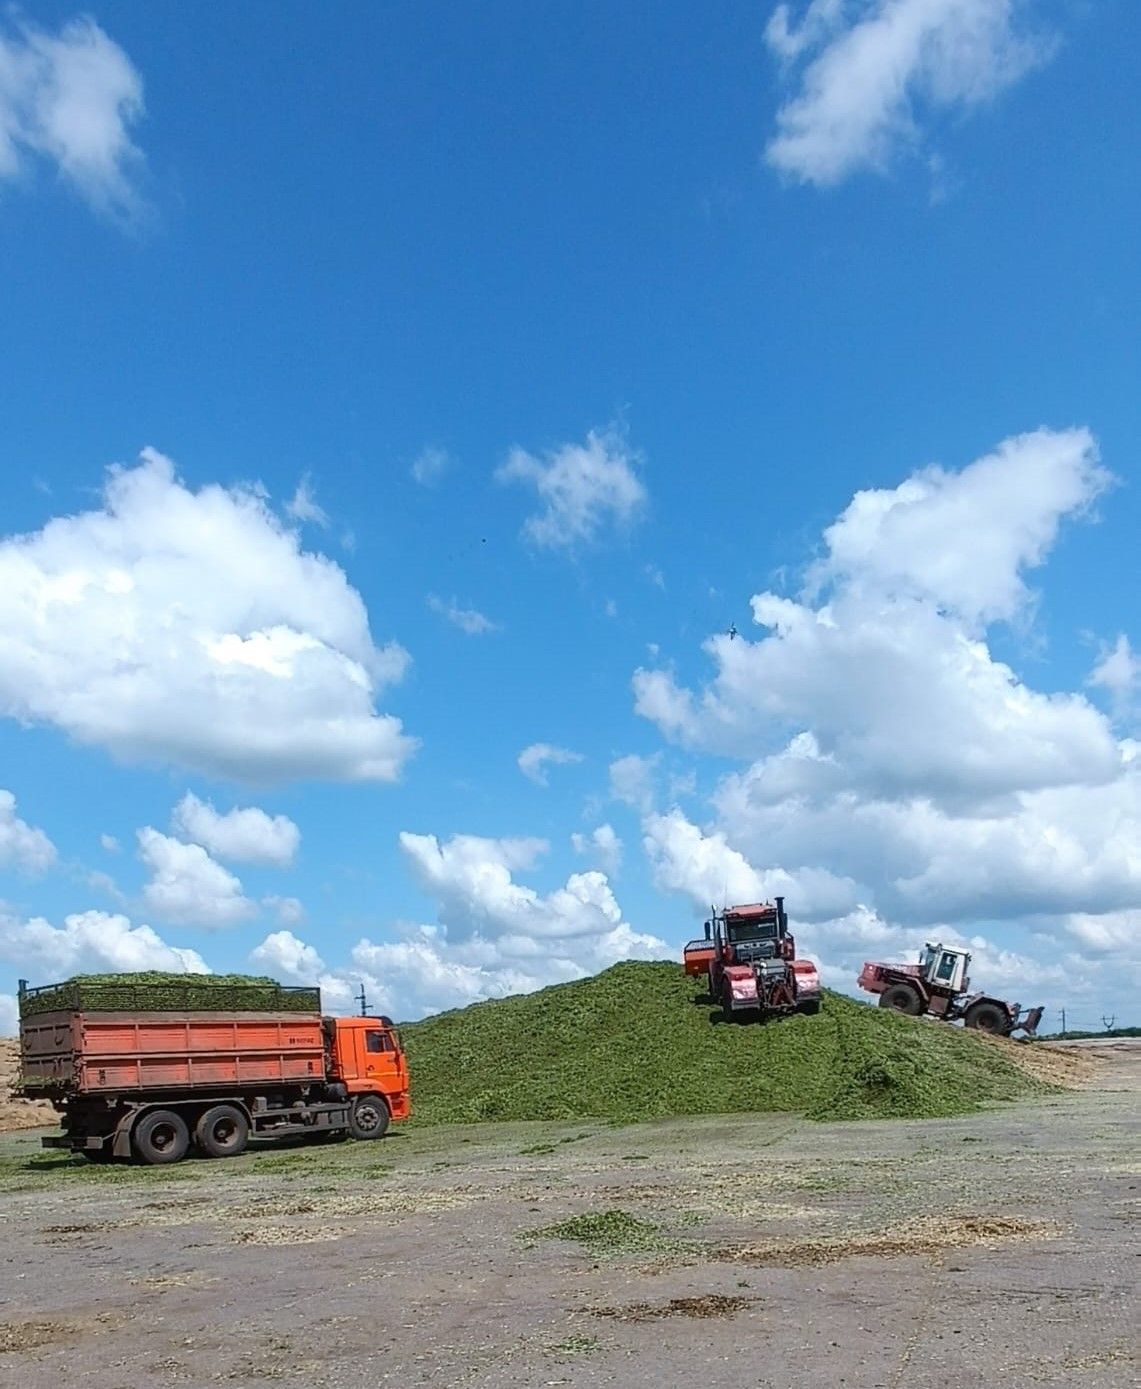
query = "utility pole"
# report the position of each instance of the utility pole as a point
(1063, 1022)
(363, 1001)
(1108, 1023)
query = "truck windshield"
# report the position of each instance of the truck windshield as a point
(752, 930)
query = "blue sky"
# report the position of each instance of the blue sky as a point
(477, 369)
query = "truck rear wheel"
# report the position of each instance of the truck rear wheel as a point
(222, 1131)
(161, 1136)
(987, 1017)
(902, 999)
(368, 1117)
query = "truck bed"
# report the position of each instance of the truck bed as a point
(90, 1053)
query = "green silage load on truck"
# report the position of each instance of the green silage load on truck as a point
(153, 991)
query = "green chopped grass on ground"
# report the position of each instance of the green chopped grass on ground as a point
(633, 1043)
(607, 1232)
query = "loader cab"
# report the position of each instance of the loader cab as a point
(945, 968)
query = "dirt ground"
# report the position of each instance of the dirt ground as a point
(749, 1251)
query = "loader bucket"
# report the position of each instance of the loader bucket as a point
(1029, 1023)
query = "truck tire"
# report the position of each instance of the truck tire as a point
(987, 1017)
(902, 998)
(368, 1117)
(222, 1132)
(160, 1136)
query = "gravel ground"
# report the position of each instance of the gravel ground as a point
(750, 1251)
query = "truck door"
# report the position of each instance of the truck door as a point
(379, 1066)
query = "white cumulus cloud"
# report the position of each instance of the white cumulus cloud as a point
(582, 488)
(21, 845)
(187, 886)
(71, 99)
(602, 845)
(285, 957)
(303, 505)
(871, 73)
(534, 760)
(174, 626)
(242, 835)
(632, 779)
(1118, 671)
(429, 466)
(290, 911)
(885, 683)
(9, 1015)
(90, 942)
(468, 620)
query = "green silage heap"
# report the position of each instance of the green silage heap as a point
(632, 1043)
(154, 991)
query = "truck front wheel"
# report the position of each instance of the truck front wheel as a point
(222, 1131)
(368, 1117)
(902, 999)
(161, 1136)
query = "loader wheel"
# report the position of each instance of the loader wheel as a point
(902, 999)
(368, 1118)
(222, 1132)
(161, 1136)
(987, 1017)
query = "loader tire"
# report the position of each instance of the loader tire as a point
(902, 999)
(368, 1117)
(987, 1017)
(222, 1132)
(160, 1137)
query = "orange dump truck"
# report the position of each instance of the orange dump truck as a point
(145, 1072)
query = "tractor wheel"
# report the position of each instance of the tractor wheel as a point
(368, 1117)
(222, 1132)
(987, 1017)
(812, 1007)
(903, 999)
(161, 1136)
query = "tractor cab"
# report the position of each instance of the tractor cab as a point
(944, 968)
(758, 931)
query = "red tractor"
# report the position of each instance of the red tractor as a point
(938, 985)
(750, 959)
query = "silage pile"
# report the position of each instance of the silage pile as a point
(632, 1043)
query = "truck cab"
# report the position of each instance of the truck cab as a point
(366, 1056)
